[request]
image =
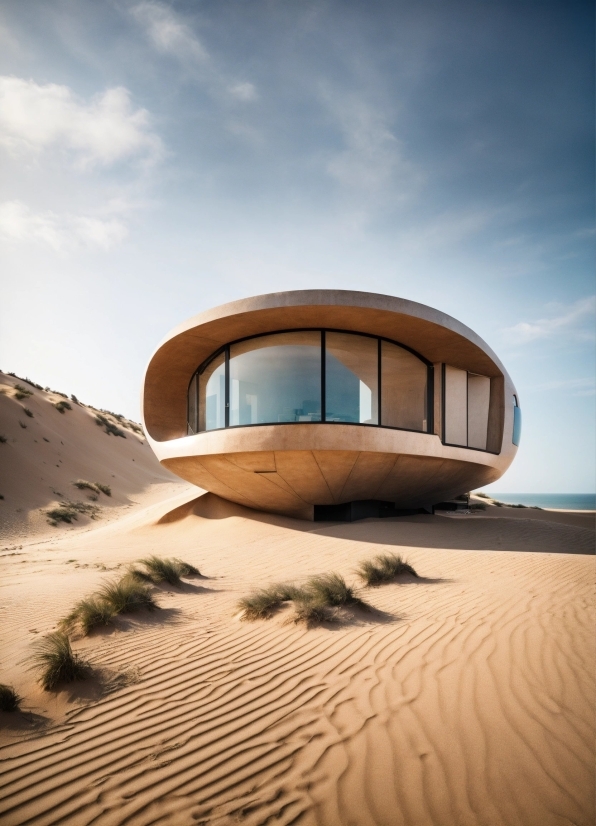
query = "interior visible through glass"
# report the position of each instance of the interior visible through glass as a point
(276, 378)
(351, 378)
(403, 388)
(212, 394)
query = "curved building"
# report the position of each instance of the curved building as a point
(314, 402)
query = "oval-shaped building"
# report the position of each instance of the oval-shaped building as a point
(309, 402)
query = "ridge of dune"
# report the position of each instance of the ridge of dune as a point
(465, 697)
(44, 451)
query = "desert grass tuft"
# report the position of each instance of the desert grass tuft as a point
(27, 412)
(21, 392)
(185, 568)
(3, 439)
(9, 699)
(110, 428)
(56, 661)
(260, 604)
(61, 406)
(384, 568)
(162, 570)
(310, 612)
(88, 614)
(127, 595)
(69, 511)
(82, 484)
(104, 488)
(333, 591)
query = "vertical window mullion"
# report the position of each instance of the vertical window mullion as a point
(430, 395)
(323, 378)
(227, 387)
(379, 382)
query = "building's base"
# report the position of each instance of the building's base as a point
(362, 509)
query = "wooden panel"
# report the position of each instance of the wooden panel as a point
(257, 462)
(409, 475)
(254, 486)
(478, 404)
(456, 406)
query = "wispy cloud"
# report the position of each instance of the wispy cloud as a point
(167, 32)
(372, 159)
(570, 321)
(63, 233)
(102, 131)
(170, 34)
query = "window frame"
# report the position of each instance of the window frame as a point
(322, 330)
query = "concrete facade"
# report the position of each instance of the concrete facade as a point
(291, 467)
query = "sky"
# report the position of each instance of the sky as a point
(161, 158)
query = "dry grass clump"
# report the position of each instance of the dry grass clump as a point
(317, 601)
(110, 428)
(62, 406)
(158, 570)
(95, 487)
(332, 590)
(3, 439)
(127, 595)
(384, 568)
(9, 699)
(56, 661)
(22, 392)
(27, 412)
(69, 511)
(88, 614)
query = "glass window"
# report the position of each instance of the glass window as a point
(351, 378)
(517, 422)
(403, 388)
(192, 406)
(212, 394)
(276, 378)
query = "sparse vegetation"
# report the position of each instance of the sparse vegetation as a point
(163, 570)
(22, 392)
(74, 399)
(110, 428)
(69, 511)
(317, 601)
(482, 495)
(94, 487)
(88, 614)
(9, 699)
(310, 612)
(3, 439)
(104, 488)
(23, 425)
(127, 595)
(384, 568)
(27, 412)
(56, 661)
(62, 406)
(332, 590)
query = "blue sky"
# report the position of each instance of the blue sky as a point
(161, 158)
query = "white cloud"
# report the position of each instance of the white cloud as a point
(102, 131)
(243, 91)
(170, 35)
(372, 161)
(167, 32)
(62, 233)
(570, 321)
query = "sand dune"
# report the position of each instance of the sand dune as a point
(465, 697)
(46, 451)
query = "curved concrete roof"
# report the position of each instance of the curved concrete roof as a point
(435, 335)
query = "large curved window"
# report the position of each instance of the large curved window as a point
(276, 378)
(311, 376)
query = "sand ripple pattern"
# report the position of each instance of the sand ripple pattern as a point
(467, 699)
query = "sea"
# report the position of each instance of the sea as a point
(564, 501)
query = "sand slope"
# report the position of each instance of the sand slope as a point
(466, 697)
(46, 452)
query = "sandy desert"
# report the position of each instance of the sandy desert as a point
(462, 696)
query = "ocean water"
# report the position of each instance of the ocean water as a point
(565, 501)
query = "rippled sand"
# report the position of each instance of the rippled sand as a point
(466, 697)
